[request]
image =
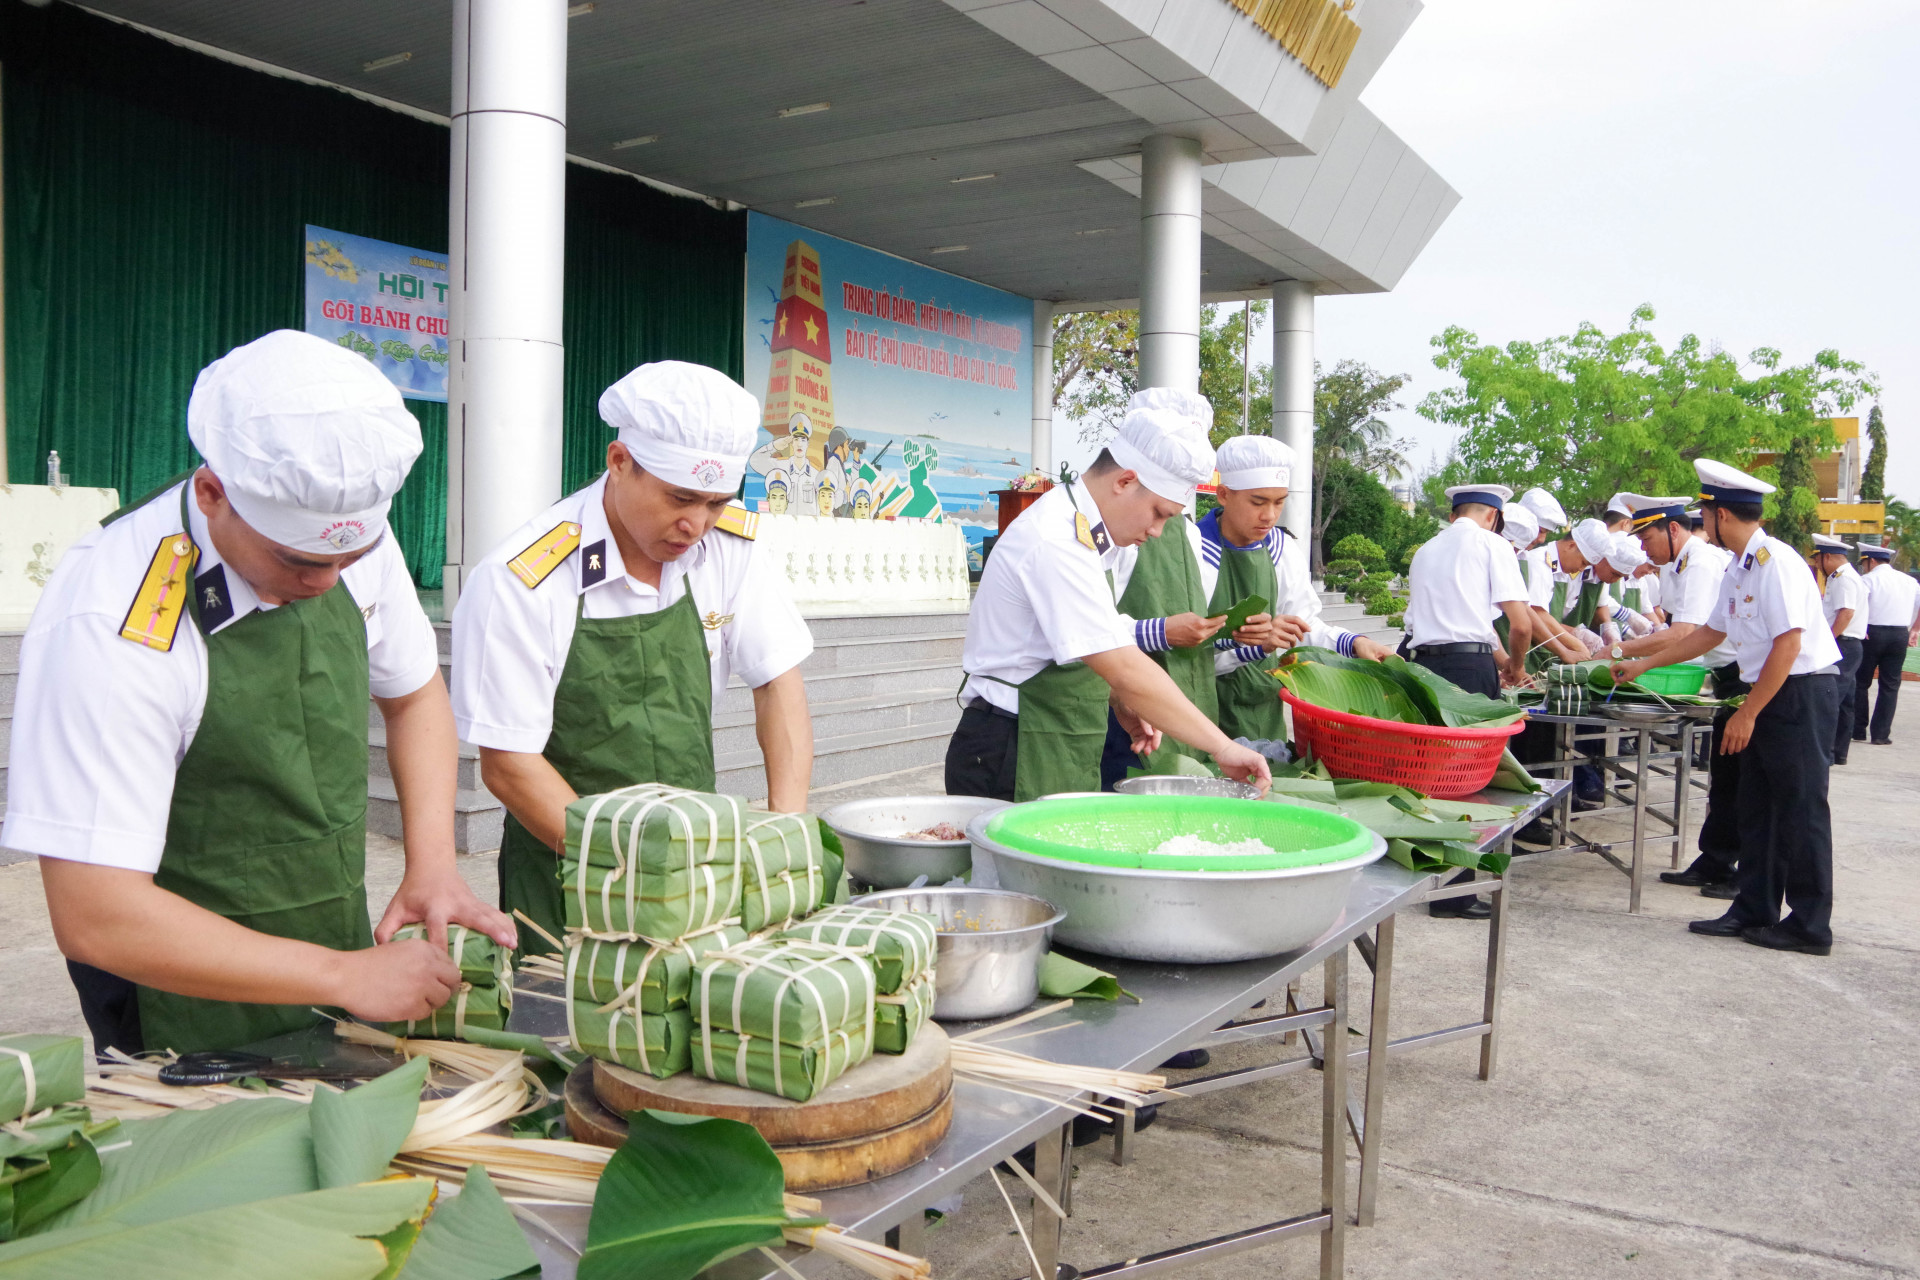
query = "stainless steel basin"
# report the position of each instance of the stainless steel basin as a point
(872, 831)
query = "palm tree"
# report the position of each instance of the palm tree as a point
(1348, 429)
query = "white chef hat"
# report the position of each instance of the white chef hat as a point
(1166, 450)
(685, 423)
(1544, 505)
(1522, 526)
(309, 439)
(1255, 462)
(1593, 539)
(1626, 553)
(1191, 405)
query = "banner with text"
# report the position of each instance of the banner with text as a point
(386, 301)
(887, 389)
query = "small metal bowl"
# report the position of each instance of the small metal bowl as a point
(872, 831)
(1178, 785)
(990, 947)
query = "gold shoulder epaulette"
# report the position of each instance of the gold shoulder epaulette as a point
(546, 553)
(154, 616)
(738, 521)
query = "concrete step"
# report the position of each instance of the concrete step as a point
(10, 649)
(857, 654)
(828, 628)
(477, 816)
(734, 732)
(847, 758)
(834, 685)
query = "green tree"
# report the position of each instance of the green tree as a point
(1902, 533)
(1223, 337)
(1096, 356)
(1873, 479)
(1589, 413)
(1350, 437)
(1794, 508)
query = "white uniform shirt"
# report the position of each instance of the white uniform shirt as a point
(1690, 586)
(1045, 597)
(1893, 597)
(1766, 593)
(1460, 578)
(1297, 596)
(101, 723)
(510, 641)
(1846, 589)
(1538, 575)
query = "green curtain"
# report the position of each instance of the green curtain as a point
(155, 201)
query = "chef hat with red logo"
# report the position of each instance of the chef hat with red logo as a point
(309, 440)
(686, 424)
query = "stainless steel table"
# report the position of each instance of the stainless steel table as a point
(1657, 747)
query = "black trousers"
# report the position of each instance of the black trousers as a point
(111, 1006)
(1474, 672)
(1786, 830)
(983, 753)
(1882, 653)
(1851, 652)
(1720, 829)
(1118, 755)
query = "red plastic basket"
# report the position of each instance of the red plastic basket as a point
(1445, 763)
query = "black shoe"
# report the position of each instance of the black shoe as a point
(1693, 877)
(1088, 1130)
(1727, 926)
(1535, 832)
(1839, 759)
(1587, 804)
(1470, 909)
(1779, 938)
(1723, 892)
(1187, 1060)
(1859, 737)
(1882, 742)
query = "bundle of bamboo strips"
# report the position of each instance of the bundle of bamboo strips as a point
(531, 1169)
(1062, 1083)
(876, 1260)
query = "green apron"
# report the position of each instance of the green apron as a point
(1501, 627)
(1165, 582)
(1248, 697)
(1632, 598)
(634, 705)
(268, 825)
(1583, 609)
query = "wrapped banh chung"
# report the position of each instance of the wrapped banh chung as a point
(485, 997)
(37, 1072)
(659, 863)
(902, 946)
(627, 1001)
(781, 1016)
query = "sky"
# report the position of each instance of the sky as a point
(1749, 167)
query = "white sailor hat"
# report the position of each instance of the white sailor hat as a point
(1647, 511)
(1617, 504)
(1166, 449)
(1594, 540)
(1522, 526)
(1721, 483)
(1546, 506)
(1828, 544)
(1877, 552)
(1490, 495)
(685, 424)
(1625, 554)
(1255, 462)
(309, 440)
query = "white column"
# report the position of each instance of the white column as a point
(507, 212)
(1293, 396)
(1043, 386)
(1170, 263)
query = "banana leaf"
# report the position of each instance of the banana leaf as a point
(897, 1019)
(357, 1132)
(482, 961)
(1063, 978)
(1238, 615)
(46, 1165)
(342, 1233)
(834, 855)
(472, 1007)
(682, 1193)
(1341, 687)
(1429, 856)
(1513, 776)
(1444, 702)
(56, 1073)
(1171, 764)
(471, 1236)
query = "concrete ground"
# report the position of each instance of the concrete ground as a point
(1665, 1106)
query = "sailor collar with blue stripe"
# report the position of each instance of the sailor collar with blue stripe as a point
(1213, 539)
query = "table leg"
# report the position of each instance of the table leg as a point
(1682, 789)
(1643, 749)
(1376, 1088)
(910, 1236)
(1496, 971)
(1333, 1119)
(1293, 1006)
(1563, 806)
(1051, 1169)
(1123, 1135)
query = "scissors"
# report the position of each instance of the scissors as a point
(223, 1066)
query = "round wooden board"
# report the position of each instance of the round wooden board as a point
(882, 1093)
(815, 1166)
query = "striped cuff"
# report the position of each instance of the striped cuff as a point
(1621, 613)
(1249, 652)
(1343, 643)
(1150, 634)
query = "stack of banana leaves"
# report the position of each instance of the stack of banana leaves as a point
(1422, 834)
(1592, 681)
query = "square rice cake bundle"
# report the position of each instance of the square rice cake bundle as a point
(37, 1072)
(655, 1044)
(652, 862)
(784, 870)
(782, 1016)
(653, 978)
(485, 997)
(903, 945)
(897, 1018)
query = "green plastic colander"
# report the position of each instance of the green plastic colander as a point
(1122, 831)
(1684, 678)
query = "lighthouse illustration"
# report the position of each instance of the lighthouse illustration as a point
(800, 380)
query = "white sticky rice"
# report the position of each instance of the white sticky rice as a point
(1190, 846)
